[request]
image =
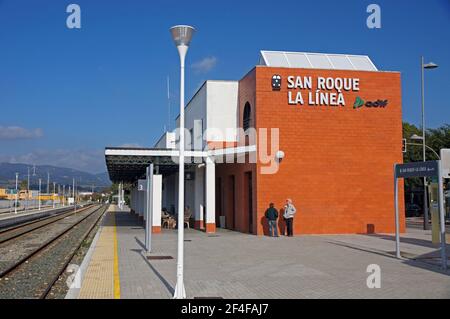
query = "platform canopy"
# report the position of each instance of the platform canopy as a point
(308, 60)
(129, 164)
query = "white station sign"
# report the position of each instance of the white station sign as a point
(329, 91)
(142, 185)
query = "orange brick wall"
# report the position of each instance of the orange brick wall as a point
(224, 171)
(338, 165)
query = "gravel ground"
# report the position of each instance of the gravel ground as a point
(60, 288)
(32, 278)
(12, 251)
(15, 231)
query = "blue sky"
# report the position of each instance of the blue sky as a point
(65, 94)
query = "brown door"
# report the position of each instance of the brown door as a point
(231, 224)
(249, 200)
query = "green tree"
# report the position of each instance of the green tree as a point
(436, 138)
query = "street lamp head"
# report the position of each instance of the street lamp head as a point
(430, 65)
(182, 34)
(416, 137)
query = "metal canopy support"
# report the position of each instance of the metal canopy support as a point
(397, 222)
(442, 217)
(149, 209)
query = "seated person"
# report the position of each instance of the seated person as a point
(187, 212)
(165, 213)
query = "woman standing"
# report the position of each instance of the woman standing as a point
(289, 212)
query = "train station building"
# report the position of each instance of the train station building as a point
(321, 129)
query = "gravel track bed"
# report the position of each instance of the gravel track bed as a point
(9, 233)
(12, 251)
(31, 279)
(60, 288)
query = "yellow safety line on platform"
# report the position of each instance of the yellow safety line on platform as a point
(101, 280)
(116, 264)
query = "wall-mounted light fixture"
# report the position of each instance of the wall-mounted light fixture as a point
(279, 155)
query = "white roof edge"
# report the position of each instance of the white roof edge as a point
(174, 152)
(140, 152)
(227, 81)
(263, 56)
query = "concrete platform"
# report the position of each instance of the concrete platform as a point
(235, 265)
(101, 279)
(21, 209)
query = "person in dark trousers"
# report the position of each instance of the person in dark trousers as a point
(289, 212)
(272, 216)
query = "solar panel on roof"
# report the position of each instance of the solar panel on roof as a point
(340, 62)
(298, 60)
(316, 60)
(277, 59)
(319, 61)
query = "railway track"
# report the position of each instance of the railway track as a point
(14, 232)
(35, 271)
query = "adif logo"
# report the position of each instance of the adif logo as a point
(359, 102)
(276, 82)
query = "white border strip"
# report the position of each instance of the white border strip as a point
(222, 151)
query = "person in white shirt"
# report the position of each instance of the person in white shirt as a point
(289, 212)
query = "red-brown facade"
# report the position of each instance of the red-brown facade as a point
(338, 165)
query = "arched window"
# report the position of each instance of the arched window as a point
(247, 116)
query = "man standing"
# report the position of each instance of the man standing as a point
(289, 212)
(272, 215)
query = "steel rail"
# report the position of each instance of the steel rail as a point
(46, 221)
(22, 260)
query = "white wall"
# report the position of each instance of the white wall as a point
(167, 140)
(222, 109)
(157, 193)
(199, 202)
(216, 104)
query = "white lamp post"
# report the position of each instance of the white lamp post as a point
(73, 193)
(181, 35)
(54, 187)
(17, 195)
(39, 195)
(424, 66)
(28, 189)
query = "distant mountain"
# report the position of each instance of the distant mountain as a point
(59, 175)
